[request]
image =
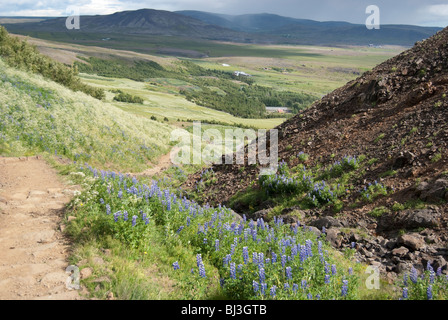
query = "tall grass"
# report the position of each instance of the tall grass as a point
(37, 115)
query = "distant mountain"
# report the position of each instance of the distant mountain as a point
(256, 28)
(303, 31)
(141, 22)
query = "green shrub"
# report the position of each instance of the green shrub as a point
(19, 54)
(129, 98)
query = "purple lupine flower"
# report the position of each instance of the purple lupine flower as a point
(125, 215)
(202, 271)
(309, 296)
(107, 209)
(261, 275)
(120, 194)
(350, 271)
(309, 244)
(134, 220)
(303, 284)
(273, 290)
(180, 229)
(439, 271)
(405, 279)
(432, 277)
(295, 287)
(344, 289)
(254, 258)
(274, 257)
(245, 255)
(414, 276)
(264, 286)
(405, 293)
(217, 245)
(232, 270)
(429, 292)
(288, 273)
(327, 279)
(117, 215)
(255, 286)
(303, 253)
(283, 261)
(333, 269)
(176, 265)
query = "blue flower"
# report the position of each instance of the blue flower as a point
(414, 276)
(344, 289)
(232, 270)
(216, 245)
(176, 265)
(255, 286)
(261, 275)
(272, 292)
(405, 293)
(245, 255)
(429, 292)
(288, 273)
(134, 220)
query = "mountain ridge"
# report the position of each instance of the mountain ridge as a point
(258, 28)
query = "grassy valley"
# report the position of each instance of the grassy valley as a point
(142, 236)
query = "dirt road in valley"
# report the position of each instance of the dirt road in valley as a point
(33, 251)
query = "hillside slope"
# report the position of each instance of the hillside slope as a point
(394, 118)
(38, 116)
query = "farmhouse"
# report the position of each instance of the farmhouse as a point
(241, 73)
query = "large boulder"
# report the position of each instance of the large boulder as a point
(327, 222)
(410, 219)
(434, 191)
(411, 241)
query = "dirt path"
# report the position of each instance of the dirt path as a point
(33, 252)
(163, 164)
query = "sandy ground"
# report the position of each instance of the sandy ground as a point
(33, 251)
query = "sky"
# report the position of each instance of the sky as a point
(414, 12)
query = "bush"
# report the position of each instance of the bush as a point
(19, 54)
(129, 98)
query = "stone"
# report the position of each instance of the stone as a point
(333, 237)
(236, 216)
(410, 219)
(400, 252)
(435, 261)
(316, 231)
(86, 272)
(433, 192)
(403, 267)
(404, 159)
(259, 214)
(424, 218)
(413, 242)
(288, 219)
(391, 244)
(327, 222)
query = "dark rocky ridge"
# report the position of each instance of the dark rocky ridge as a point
(398, 114)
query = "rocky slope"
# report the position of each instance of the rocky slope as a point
(396, 113)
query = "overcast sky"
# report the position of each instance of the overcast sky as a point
(416, 12)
